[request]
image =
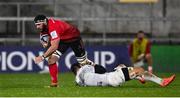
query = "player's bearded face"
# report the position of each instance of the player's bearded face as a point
(41, 26)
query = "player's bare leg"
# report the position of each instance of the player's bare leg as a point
(135, 72)
(161, 81)
(149, 61)
(139, 74)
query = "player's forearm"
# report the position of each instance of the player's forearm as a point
(52, 48)
(50, 51)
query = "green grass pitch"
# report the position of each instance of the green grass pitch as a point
(31, 84)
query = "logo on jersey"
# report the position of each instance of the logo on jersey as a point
(53, 34)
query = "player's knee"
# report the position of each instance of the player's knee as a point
(138, 70)
(52, 60)
(148, 56)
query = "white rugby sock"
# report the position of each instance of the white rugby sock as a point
(151, 77)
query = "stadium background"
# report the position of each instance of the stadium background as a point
(108, 24)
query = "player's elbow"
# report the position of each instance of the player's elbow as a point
(148, 56)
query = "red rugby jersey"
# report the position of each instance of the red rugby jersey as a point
(62, 30)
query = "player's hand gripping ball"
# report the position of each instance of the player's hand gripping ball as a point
(44, 39)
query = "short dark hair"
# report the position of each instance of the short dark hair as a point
(140, 31)
(40, 18)
(75, 67)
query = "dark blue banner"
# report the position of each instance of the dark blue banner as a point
(20, 59)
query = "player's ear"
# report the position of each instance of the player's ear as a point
(46, 21)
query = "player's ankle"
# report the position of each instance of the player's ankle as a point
(54, 83)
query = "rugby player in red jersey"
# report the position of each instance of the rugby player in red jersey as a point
(61, 36)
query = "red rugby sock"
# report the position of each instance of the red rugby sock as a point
(53, 70)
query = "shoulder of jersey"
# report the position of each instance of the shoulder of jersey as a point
(52, 21)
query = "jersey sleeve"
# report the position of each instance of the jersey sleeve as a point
(54, 31)
(148, 47)
(54, 35)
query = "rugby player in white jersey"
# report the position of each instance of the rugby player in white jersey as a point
(86, 76)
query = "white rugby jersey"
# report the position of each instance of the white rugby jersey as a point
(86, 76)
